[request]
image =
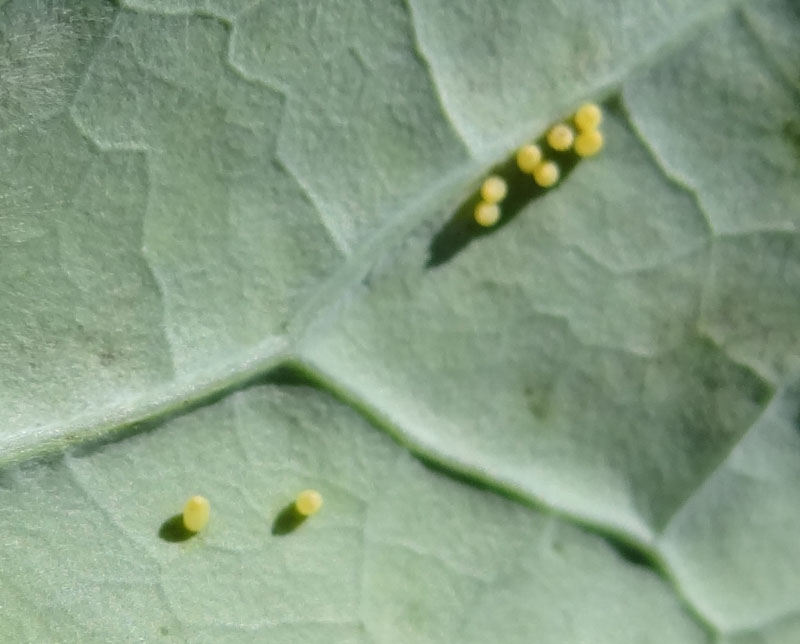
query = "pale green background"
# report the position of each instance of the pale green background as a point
(583, 427)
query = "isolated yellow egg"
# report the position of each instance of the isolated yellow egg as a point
(196, 513)
(308, 502)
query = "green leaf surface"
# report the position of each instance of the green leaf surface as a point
(225, 269)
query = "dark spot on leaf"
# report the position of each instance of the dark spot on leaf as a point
(288, 520)
(6, 480)
(174, 531)
(633, 554)
(288, 376)
(539, 399)
(710, 380)
(791, 131)
(796, 419)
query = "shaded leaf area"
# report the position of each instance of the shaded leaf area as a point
(611, 351)
(186, 229)
(398, 552)
(561, 356)
(734, 102)
(784, 630)
(733, 544)
(195, 180)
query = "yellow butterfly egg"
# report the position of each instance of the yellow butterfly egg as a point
(487, 214)
(588, 116)
(528, 157)
(196, 513)
(546, 174)
(308, 502)
(494, 189)
(588, 143)
(560, 137)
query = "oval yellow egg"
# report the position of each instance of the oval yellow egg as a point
(487, 214)
(588, 116)
(308, 502)
(494, 189)
(546, 174)
(196, 513)
(528, 157)
(588, 143)
(560, 137)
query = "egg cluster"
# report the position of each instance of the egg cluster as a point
(531, 160)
